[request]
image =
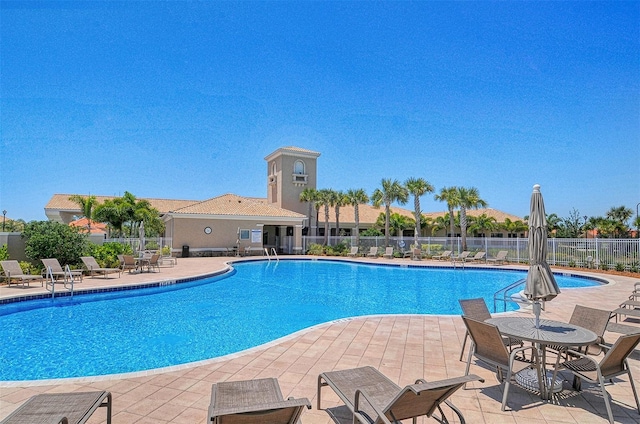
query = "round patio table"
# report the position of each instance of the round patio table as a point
(549, 333)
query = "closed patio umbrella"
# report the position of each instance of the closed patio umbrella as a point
(141, 235)
(541, 284)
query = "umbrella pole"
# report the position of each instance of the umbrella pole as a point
(537, 307)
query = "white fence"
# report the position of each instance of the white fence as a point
(598, 252)
(150, 243)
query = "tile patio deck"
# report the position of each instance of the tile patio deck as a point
(402, 347)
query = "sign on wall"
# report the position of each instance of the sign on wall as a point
(256, 236)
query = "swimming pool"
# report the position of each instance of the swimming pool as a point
(120, 332)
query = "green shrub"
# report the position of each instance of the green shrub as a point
(634, 266)
(165, 251)
(371, 232)
(604, 266)
(48, 239)
(4, 252)
(315, 249)
(107, 254)
(620, 267)
(339, 249)
(28, 268)
(151, 245)
(571, 264)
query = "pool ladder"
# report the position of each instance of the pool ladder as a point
(51, 281)
(273, 253)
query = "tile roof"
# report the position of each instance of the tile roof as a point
(96, 227)
(62, 202)
(368, 214)
(231, 204)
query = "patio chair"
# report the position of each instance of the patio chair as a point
(371, 397)
(127, 262)
(57, 271)
(71, 408)
(613, 364)
(477, 257)
(353, 252)
(153, 262)
(13, 273)
(592, 319)
(373, 252)
(93, 267)
(388, 253)
(500, 258)
(478, 310)
(488, 347)
(253, 401)
(443, 256)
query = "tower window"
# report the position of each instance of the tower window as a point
(298, 167)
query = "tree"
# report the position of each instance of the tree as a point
(355, 198)
(482, 223)
(324, 200)
(440, 223)
(468, 198)
(391, 191)
(338, 200)
(514, 227)
(418, 187)
(399, 223)
(48, 239)
(450, 196)
(620, 216)
(86, 204)
(309, 195)
(571, 226)
(553, 224)
(115, 212)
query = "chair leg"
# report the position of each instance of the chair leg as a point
(633, 388)
(605, 396)
(464, 344)
(507, 384)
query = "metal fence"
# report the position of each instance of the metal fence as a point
(589, 253)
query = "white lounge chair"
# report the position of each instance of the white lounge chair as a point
(500, 258)
(388, 253)
(353, 252)
(373, 252)
(443, 256)
(93, 267)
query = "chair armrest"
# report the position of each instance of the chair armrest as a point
(356, 408)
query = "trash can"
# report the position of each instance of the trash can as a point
(185, 251)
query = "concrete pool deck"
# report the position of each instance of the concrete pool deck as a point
(402, 347)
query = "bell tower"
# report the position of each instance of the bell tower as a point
(290, 170)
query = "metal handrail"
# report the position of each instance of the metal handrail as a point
(274, 253)
(501, 295)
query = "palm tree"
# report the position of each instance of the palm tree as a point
(418, 187)
(553, 223)
(338, 199)
(450, 196)
(309, 195)
(392, 191)
(399, 223)
(356, 197)
(324, 200)
(86, 204)
(468, 198)
(439, 223)
(620, 214)
(482, 223)
(514, 227)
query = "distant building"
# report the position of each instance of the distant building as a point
(277, 221)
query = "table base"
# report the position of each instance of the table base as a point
(528, 378)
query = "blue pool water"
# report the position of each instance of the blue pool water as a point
(143, 329)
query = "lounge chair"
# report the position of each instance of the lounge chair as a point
(477, 257)
(53, 266)
(414, 253)
(253, 401)
(461, 257)
(13, 273)
(443, 256)
(93, 267)
(63, 408)
(500, 258)
(373, 252)
(371, 397)
(353, 252)
(388, 253)
(488, 347)
(613, 364)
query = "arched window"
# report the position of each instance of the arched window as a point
(298, 167)
(273, 168)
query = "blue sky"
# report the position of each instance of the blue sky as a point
(183, 100)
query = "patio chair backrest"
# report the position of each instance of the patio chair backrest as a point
(487, 340)
(53, 264)
(475, 308)
(373, 250)
(90, 262)
(502, 254)
(354, 250)
(419, 399)
(479, 255)
(11, 268)
(592, 319)
(614, 360)
(388, 251)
